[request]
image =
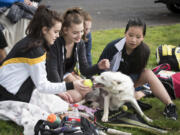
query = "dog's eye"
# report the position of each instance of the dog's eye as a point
(102, 78)
(118, 82)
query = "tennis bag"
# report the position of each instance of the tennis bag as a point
(44, 127)
(170, 79)
(169, 54)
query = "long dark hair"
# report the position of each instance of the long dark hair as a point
(142, 52)
(43, 17)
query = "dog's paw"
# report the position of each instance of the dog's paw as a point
(104, 118)
(148, 119)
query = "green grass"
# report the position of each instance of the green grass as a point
(159, 120)
(155, 36)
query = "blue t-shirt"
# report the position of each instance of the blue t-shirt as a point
(8, 3)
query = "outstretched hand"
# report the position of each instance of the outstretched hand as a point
(79, 86)
(104, 64)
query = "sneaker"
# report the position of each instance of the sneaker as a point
(170, 111)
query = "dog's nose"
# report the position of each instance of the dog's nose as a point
(92, 79)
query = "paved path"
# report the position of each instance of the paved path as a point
(115, 13)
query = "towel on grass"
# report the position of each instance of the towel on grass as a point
(27, 114)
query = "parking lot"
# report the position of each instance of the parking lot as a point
(115, 13)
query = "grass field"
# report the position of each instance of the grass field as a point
(155, 36)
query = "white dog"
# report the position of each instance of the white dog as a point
(120, 89)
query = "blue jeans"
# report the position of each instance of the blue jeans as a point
(88, 45)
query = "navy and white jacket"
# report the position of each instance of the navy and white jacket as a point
(132, 64)
(22, 71)
(113, 52)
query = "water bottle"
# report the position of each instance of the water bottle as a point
(73, 120)
(74, 114)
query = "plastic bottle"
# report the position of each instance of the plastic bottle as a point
(74, 114)
(73, 120)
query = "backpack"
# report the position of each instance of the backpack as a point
(170, 79)
(44, 127)
(168, 54)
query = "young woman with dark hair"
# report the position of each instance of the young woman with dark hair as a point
(69, 51)
(129, 55)
(23, 70)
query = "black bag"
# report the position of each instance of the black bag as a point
(169, 54)
(44, 127)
